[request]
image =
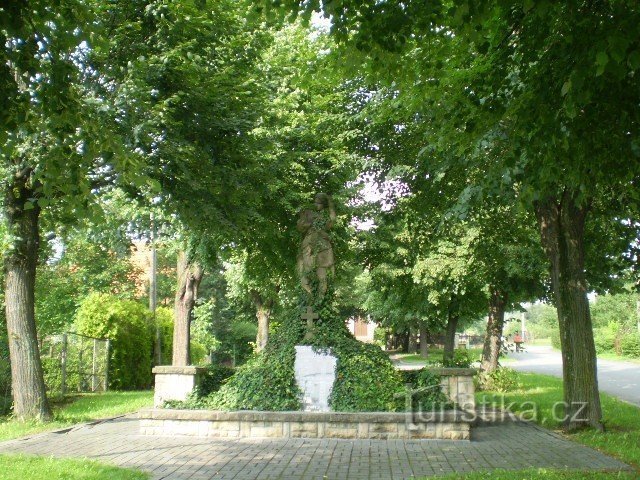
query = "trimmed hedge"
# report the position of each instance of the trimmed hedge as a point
(129, 326)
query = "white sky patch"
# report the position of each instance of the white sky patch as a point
(384, 194)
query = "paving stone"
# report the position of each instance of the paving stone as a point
(510, 445)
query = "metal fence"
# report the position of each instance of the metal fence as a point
(75, 363)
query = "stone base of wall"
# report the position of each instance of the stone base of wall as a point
(457, 384)
(175, 383)
(449, 424)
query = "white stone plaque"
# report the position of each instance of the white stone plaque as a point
(315, 373)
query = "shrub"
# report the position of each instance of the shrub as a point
(214, 378)
(129, 326)
(52, 372)
(461, 359)
(261, 384)
(630, 345)
(164, 320)
(365, 378)
(429, 393)
(605, 338)
(501, 380)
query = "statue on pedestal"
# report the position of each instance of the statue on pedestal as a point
(315, 258)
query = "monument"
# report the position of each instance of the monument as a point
(315, 371)
(315, 258)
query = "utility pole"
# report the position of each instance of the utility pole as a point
(157, 348)
(523, 329)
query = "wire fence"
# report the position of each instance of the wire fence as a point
(75, 363)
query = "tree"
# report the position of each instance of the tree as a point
(52, 138)
(250, 279)
(541, 97)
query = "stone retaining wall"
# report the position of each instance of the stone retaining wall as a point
(449, 424)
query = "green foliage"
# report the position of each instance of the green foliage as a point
(501, 380)
(461, 359)
(429, 394)
(128, 325)
(52, 374)
(365, 378)
(5, 370)
(164, 320)
(606, 338)
(263, 383)
(617, 309)
(541, 321)
(555, 339)
(630, 345)
(214, 378)
(197, 353)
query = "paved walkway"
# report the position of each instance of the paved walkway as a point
(618, 378)
(508, 446)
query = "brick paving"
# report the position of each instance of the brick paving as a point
(508, 446)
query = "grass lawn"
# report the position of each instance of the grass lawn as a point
(620, 358)
(77, 409)
(536, 399)
(13, 467)
(435, 356)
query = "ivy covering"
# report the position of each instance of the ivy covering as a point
(365, 377)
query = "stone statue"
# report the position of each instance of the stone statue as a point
(315, 259)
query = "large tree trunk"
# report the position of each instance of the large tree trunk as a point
(562, 232)
(424, 343)
(263, 314)
(450, 339)
(495, 324)
(27, 381)
(189, 278)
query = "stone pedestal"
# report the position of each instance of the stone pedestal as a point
(175, 383)
(315, 373)
(457, 384)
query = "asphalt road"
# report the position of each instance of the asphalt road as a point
(621, 379)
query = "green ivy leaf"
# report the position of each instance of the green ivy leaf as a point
(634, 60)
(601, 61)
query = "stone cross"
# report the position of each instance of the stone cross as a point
(309, 316)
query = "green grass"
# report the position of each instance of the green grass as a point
(542, 473)
(542, 342)
(620, 358)
(14, 467)
(435, 356)
(77, 409)
(621, 438)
